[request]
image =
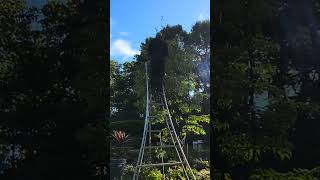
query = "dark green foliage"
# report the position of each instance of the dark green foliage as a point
(261, 88)
(52, 103)
(199, 164)
(181, 78)
(124, 104)
(296, 174)
(158, 52)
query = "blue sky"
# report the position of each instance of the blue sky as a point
(131, 22)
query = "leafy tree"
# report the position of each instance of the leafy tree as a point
(181, 84)
(124, 102)
(53, 101)
(256, 114)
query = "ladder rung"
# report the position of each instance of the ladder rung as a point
(154, 130)
(158, 131)
(156, 103)
(164, 146)
(161, 164)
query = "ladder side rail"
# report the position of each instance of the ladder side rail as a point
(147, 120)
(141, 152)
(174, 132)
(174, 143)
(163, 172)
(143, 148)
(142, 155)
(150, 149)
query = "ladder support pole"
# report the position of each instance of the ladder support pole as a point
(175, 134)
(161, 151)
(171, 131)
(141, 152)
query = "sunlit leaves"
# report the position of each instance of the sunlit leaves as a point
(160, 153)
(159, 117)
(194, 125)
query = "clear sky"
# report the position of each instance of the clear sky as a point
(132, 21)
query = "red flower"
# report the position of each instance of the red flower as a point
(120, 136)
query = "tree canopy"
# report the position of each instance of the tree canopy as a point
(262, 111)
(53, 90)
(182, 81)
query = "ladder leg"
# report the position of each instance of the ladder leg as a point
(150, 155)
(142, 147)
(175, 135)
(141, 152)
(163, 172)
(174, 143)
(178, 153)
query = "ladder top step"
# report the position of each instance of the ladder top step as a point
(161, 164)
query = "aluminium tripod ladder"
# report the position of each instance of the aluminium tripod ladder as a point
(147, 132)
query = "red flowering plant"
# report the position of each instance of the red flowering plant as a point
(120, 138)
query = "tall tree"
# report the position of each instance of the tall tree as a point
(255, 115)
(180, 80)
(58, 113)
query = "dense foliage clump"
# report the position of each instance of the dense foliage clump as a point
(265, 78)
(53, 88)
(158, 52)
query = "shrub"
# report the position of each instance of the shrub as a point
(203, 174)
(295, 174)
(176, 173)
(200, 164)
(128, 170)
(120, 138)
(152, 174)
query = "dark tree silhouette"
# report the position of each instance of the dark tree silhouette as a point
(158, 51)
